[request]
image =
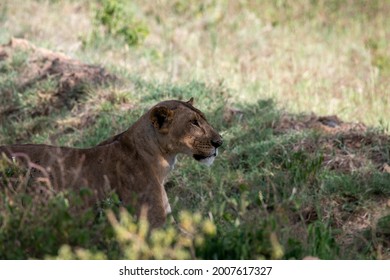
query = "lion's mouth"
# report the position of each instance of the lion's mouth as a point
(203, 157)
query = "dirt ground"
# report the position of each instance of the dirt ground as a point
(71, 75)
(346, 146)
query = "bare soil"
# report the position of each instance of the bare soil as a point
(346, 146)
(72, 76)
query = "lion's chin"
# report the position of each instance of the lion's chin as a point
(206, 160)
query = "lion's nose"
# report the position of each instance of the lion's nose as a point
(216, 143)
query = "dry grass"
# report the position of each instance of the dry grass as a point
(329, 58)
(55, 25)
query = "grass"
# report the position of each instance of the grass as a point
(340, 65)
(285, 185)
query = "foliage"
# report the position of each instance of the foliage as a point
(117, 21)
(136, 241)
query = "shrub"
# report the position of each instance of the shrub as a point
(117, 21)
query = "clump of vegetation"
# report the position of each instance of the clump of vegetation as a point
(117, 20)
(135, 241)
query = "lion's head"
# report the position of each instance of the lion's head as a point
(181, 128)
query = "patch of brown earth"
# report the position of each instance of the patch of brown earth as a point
(346, 146)
(328, 124)
(360, 228)
(72, 77)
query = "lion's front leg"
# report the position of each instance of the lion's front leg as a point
(157, 204)
(148, 203)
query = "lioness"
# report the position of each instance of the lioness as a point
(134, 163)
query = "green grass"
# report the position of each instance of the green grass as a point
(273, 192)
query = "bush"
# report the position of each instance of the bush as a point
(117, 21)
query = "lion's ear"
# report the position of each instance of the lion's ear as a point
(161, 118)
(191, 101)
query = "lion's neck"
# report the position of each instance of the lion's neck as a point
(161, 160)
(160, 165)
(164, 166)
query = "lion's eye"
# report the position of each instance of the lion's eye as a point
(195, 122)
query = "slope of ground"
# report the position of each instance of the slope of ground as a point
(31, 65)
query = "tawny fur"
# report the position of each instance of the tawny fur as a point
(134, 163)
